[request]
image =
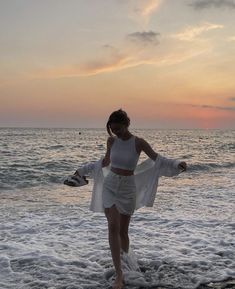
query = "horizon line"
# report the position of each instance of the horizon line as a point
(103, 128)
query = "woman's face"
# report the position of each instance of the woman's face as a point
(118, 129)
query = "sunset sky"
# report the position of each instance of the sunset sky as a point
(70, 63)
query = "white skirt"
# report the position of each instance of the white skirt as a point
(119, 191)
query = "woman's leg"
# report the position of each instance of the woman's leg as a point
(113, 217)
(124, 227)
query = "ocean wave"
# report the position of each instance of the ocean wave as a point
(54, 165)
(210, 166)
(54, 172)
(227, 146)
(55, 147)
(29, 179)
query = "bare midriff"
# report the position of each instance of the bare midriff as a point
(122, 172)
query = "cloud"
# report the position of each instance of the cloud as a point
(130, 59)
(131, 52)
(230, 108)
(231, 98)
(231, 38)
(204, 4)
(144, 37)
(192, 32)
(142, 10)
(111, 60)
(108, 59)
(149, 7)
(111, 64)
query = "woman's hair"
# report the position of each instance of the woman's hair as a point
(118, 116)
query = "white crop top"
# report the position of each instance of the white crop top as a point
(123, 154)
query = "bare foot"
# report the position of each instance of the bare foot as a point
(118, 283)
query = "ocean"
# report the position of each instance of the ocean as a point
(50, 239)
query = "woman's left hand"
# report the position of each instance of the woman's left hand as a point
(182, 166)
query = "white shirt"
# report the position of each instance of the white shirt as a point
(146, 175)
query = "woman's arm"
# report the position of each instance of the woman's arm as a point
(147, 149)
(106, 160)
(145, 146)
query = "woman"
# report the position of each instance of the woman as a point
(119, 187)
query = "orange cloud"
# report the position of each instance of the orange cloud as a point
(141, 10)
(231, 39)
(192, 32)
(150, 7)
(132, 54)
(87, 69)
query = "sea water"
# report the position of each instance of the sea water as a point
(50, 239)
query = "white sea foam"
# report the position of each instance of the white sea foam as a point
(57, 242)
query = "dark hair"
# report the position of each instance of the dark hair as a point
(118, 116)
